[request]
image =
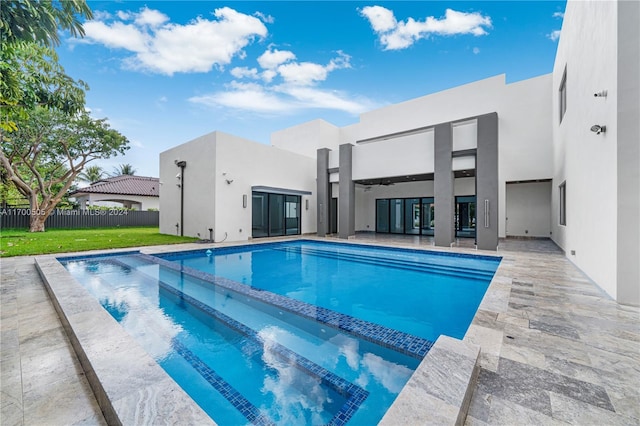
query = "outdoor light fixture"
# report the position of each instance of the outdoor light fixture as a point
(306, 204)
(244, 201)
(597, 129)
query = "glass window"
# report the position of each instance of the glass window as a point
(276, 215)
(259, 215)
(412, 215)
(396, 216)
(563, 95)
(292, 214)
(382, 216)
(563, 203)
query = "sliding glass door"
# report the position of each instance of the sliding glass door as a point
(412, 216)
(465, 216)
(416, 216)
(275, 215)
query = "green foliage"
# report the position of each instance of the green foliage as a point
(39, 20)
(123, 169)
(92, 174)
(30, 76)
(15, 242)
(49, 150)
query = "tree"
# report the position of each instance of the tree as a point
(92, 174)
(124, 169)
(30, 74)
(49, 150)
(39, 20)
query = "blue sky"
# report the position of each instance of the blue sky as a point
(165, 72)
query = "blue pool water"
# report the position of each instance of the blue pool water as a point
(252, 347)
(419, 292)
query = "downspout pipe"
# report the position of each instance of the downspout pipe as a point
(182, 165)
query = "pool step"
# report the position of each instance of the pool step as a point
(411, 265)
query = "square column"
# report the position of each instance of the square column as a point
(443, 186)
(322, 190)
(487, 182)
(346, 194)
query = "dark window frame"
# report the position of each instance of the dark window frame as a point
(562, 204)
(562, 95)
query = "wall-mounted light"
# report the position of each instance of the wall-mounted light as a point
(597, 129)
(600, 94)
(244, 201)
(306, 204)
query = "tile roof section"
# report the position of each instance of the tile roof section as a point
(124, 185)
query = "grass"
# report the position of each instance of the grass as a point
(20, 242)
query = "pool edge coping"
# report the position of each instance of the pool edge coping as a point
(100, 344)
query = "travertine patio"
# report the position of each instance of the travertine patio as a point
(554, 348)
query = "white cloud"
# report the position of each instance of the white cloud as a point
(251, 97)
(476, 50)
(302, 73)
(282, 99)
(166, 48)
(381, 19)
(244, 72)
(265, 18)
(394, 35)
(150, 17)
(270, 59)
(558, 15)
(287, 86)
(554, 35)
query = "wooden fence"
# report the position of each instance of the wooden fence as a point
(61, 218)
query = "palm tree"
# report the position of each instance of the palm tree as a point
(124, 169)
(92, 174)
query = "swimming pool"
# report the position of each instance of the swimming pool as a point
(251, 355)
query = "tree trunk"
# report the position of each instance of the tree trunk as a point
(37, 216)
(37, 223)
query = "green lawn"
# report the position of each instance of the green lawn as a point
(20, 242)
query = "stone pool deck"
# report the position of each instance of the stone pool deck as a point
(554, 349)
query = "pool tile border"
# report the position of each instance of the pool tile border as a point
(407, 344)
(355, 394)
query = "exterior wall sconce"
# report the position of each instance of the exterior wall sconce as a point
(244, 201)
(306, 204)
(227, 179)
(597, 129)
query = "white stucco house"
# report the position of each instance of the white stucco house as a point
(556, 156)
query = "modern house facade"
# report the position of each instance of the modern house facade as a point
(486, 160)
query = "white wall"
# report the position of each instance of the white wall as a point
(137, 202)
(211, 202)
(585, 160)
(404, 155)
(199, 183)
(307, 138)
(628, 146)
(250, 164)
(529, 209)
